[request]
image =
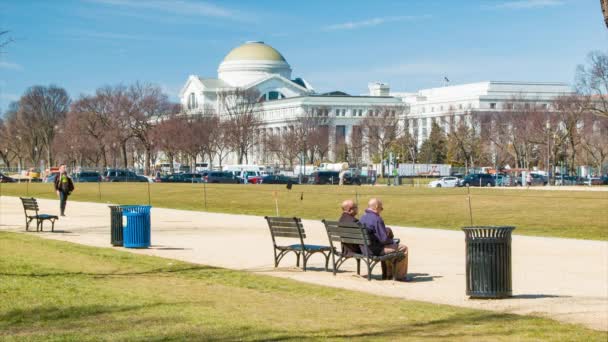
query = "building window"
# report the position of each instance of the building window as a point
(441, 108)
(370, 112)
(469, 106)
(432, 109)
(192, 101)
(460, 106)
(360, 112)
(493, 105)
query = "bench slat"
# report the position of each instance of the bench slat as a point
(292, 235)
(282, 219)
(353, 241)
(288, 226)
(356, 235)
(285, 230)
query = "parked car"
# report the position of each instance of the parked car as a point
(221, 177)
(593, 181)
(478, 179)
(251, 177)
(504, 180)
(568, 180)
(192, 178)
(536, 178)
(173, 178)
(278, 179)
(444, 182)
(331, 177)
(86, 176)
(6, 179)
(123, 176)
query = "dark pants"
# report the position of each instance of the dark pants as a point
(63, 199)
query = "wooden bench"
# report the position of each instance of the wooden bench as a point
(356, 234)
(31, 205)
(291, 227)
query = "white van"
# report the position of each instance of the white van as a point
(200, 167)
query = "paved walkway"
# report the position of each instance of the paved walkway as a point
(563, 279)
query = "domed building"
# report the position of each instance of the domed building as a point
(284, 100)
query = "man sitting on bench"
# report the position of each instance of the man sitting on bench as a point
(382, 239)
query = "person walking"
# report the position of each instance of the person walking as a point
(63, 187)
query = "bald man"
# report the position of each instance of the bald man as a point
(349, 215)
(382, 239)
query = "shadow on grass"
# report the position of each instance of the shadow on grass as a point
(56, 313)
(123, 274)
(537, 296)
(454, 327)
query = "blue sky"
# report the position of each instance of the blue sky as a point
(335, 45)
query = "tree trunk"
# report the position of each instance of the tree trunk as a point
(123, 149)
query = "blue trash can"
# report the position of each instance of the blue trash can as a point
(137, 231)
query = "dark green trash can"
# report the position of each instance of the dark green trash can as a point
(116, 235)
(488, 261)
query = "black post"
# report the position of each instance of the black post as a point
(27, 187)
(149, 201)
(99, 189)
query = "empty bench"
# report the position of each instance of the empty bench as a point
(30, 207)
(292, 228)
(356, 234)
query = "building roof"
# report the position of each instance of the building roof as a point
(213, 83)
(254, 51)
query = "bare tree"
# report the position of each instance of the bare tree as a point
(43, 108)
(169, 136)
(219, 139)
(145, 106)
(571, 110)
(463, 141)
(241, 109)
(594, 140)
(311, 129)
(382, 129)
(592, 80)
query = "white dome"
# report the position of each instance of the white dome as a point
(250, 62)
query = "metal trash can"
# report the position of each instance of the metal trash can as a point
(116, 225)
(137, 231)
(488, 261)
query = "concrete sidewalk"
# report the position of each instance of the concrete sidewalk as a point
(563, 279)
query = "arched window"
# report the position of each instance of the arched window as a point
(192, 101)
(272, 95)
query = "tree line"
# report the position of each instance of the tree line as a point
(123, 126)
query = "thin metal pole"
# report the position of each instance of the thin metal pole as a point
(99, 190)
(276, 203)
(27, 186)
(469, 200)
(149, 199)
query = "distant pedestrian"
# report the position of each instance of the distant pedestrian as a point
(341, 176)
(63, 187)
(529, 179)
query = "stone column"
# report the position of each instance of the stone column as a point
(331, 154)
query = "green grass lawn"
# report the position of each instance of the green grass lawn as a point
(571, 214)
(53, 290)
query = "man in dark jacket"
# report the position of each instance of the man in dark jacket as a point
(349, 215)
(63, 187)
(382, 238)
